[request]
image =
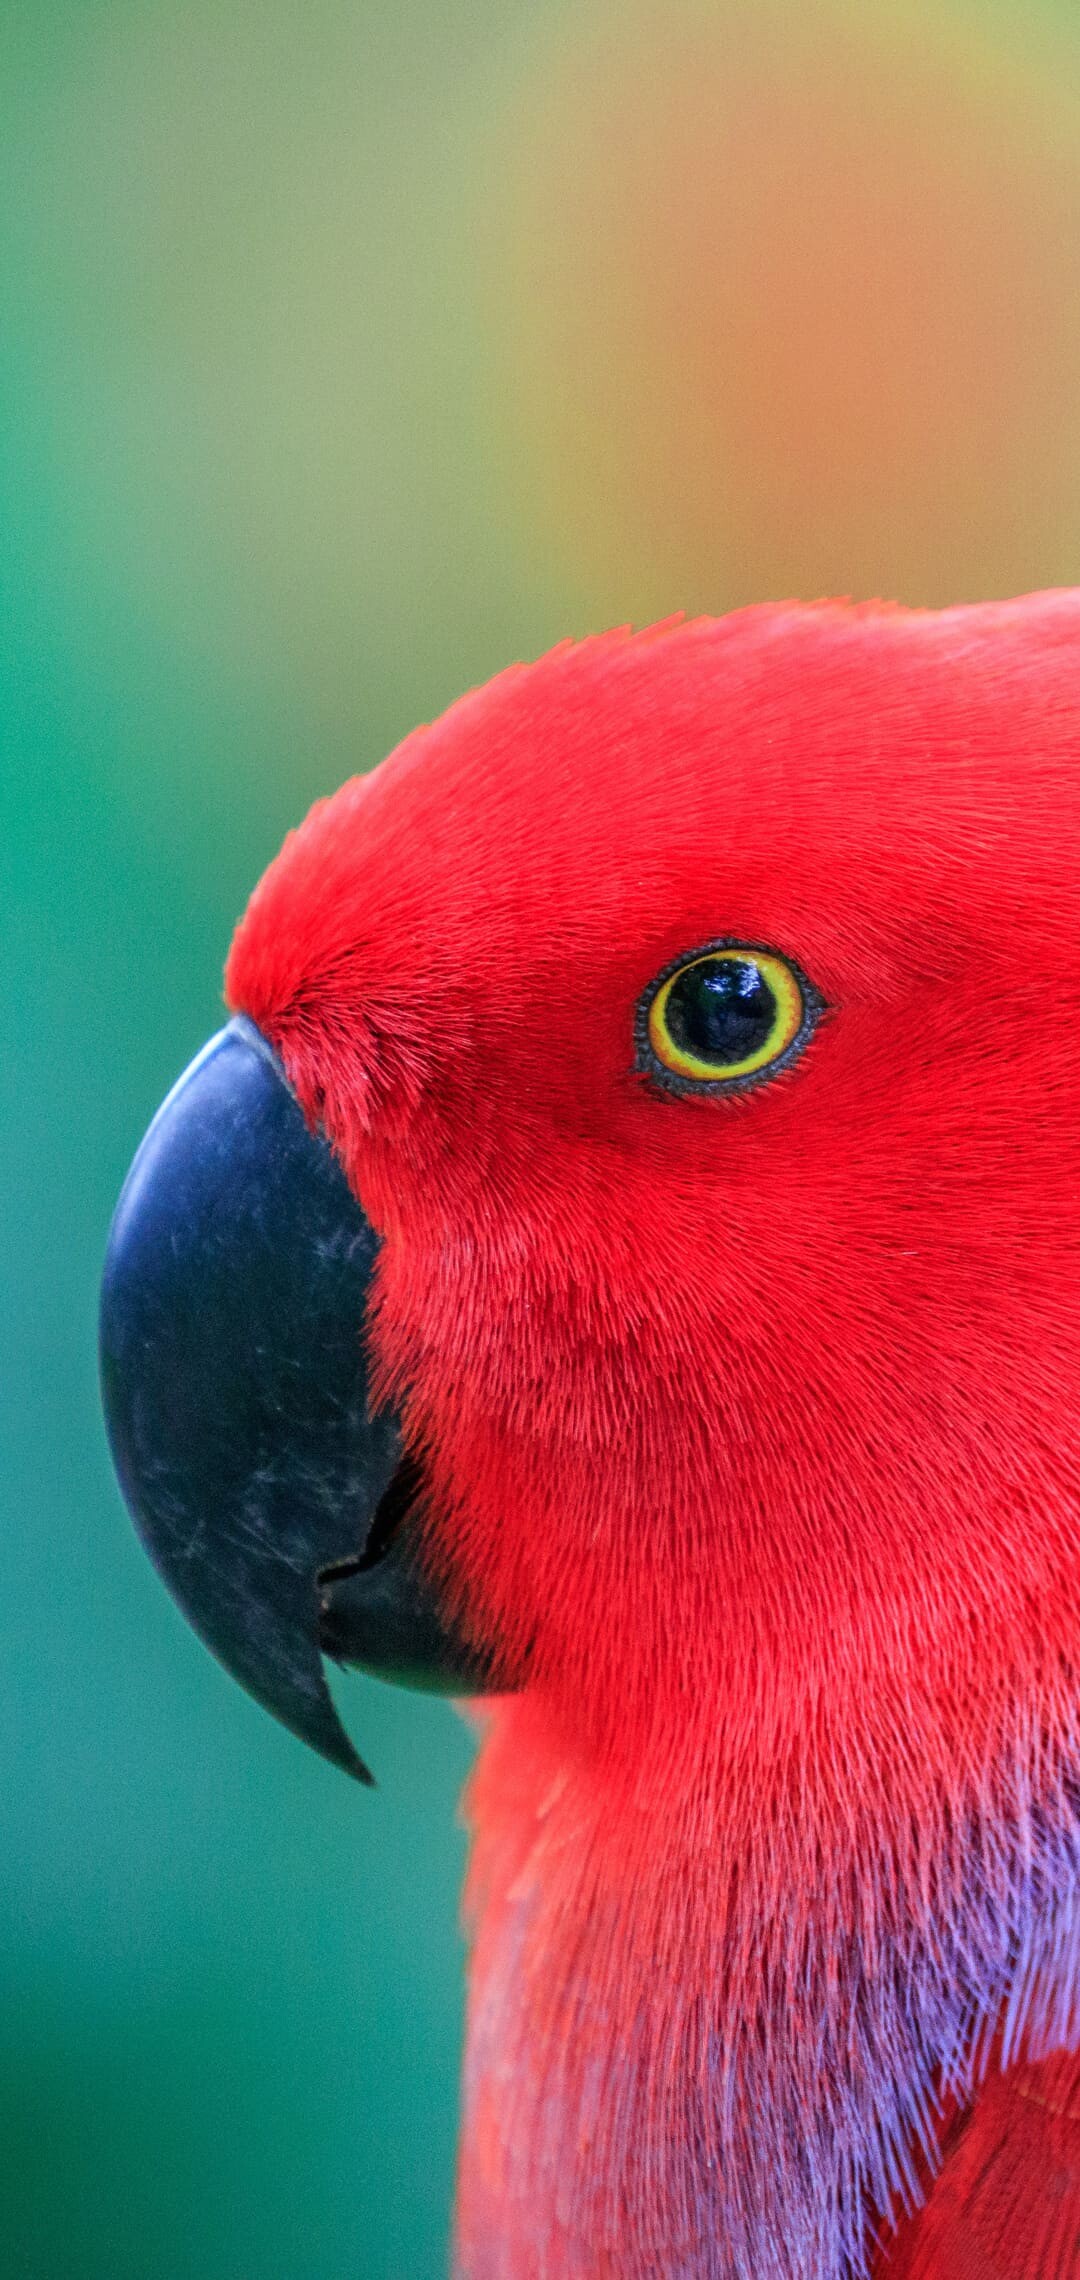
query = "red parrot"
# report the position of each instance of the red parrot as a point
(622, 1260)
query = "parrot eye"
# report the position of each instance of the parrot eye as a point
(725, 1018)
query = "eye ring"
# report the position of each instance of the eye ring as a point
(669, 1059)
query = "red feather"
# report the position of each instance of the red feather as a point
(755, 1420)
(1006, 2203)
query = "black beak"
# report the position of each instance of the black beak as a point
(279, 1508)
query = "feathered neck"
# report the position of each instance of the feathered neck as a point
(710, 2026)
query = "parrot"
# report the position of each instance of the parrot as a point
(619, 1265)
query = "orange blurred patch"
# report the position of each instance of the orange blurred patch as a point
(796, 308)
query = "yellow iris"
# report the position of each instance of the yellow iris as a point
(726, 1014)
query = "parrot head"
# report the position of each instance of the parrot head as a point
(623, 1246)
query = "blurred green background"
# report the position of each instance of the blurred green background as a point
(348, 351)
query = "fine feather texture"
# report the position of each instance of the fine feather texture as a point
(1006, 2204)
(755, 1420)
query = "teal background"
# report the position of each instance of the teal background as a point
(308, 420)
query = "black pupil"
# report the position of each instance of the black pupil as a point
(721, 1010)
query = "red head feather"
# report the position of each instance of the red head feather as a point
(755, 1418)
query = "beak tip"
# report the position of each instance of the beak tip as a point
(316, 1722)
